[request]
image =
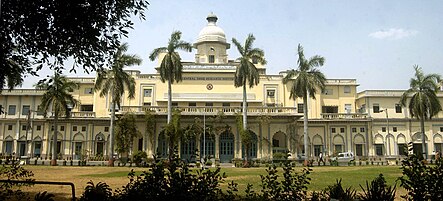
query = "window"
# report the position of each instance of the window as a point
(83, 128)
(25, 109)
(87, 108)
(62, 128)
(359, 150)
(270, 93)
(376, 108)
(9, 127)
(362, 108)
(348, 108)
(354, 130)
(362, 129)
(11, 110)
(193, 104)
(52, 128)
(89, 91)
(74, 128)
(174, 104)
(402, 149)
(229, 105)
(383, 129)
(300, 108)
(329, 109)
(394, 129)
(209, 104)
(342, 130)
(379, 149)
(39, 127)
(347, 89)
(24, 127)
(441, 129)
(328, 92)
(338, 148)
(147, 92)
(211, 59)
(397, 108)
(333, 130)
(146, 104)
(106, 128)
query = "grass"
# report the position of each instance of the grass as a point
(116, 177)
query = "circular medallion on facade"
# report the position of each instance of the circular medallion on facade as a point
(209, 86)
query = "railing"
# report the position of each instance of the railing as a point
(82, 114)
(344, 116)
(274, 111)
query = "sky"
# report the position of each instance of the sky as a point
(376, 42)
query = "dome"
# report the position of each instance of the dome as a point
(211, 32)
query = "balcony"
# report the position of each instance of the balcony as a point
(344, 116)
(83, 114)
(253, 111)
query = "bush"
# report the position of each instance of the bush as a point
(138, 157)
(337, 191)
(422, 181)
(378, 190)
(99, 192)
(13, 172)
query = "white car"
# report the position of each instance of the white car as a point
(344, 157)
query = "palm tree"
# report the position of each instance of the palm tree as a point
(59, 100)
(305, 80)
(247, 75)
(114, 81)
(423, 103)
(171, 67)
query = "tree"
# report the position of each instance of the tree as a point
(171, 67)
(125, 133)
(305, 81)
(247, 74)
(113, 82)
(423, 103)
(59, 101)
(47, 33)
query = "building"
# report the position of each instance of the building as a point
(368, 123)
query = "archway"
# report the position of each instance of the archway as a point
(317, 141)
(162, 147)
(226, 147)
(8, 143)
(339, 144)
(279, 143)
(77, 142)
(209, 146)
(379, 145)
(252, 151)
(37, 144)
(401, 144)
(438, 143)
(359, 145)
(99, 144)
(188, 150)
(417, 143)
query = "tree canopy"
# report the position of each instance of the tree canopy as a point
(41, 33)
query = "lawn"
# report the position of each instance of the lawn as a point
(116, 177)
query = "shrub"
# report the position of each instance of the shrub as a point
(44, 196)
(422, 181)
(99, 192)
(378, 190)
(138, 157)
(336, 191)
(13, 172)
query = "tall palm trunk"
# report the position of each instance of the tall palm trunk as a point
(169, 101)
(305, 127)
(423, 142)
(245, 123)
(54, 141)
(111, 132)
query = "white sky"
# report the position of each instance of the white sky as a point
(376, 42)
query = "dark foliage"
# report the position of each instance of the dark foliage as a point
(99, 192)
(44, 196)
(378, 190)
(422, 181)
(13, 172)
(46, 33)
(337, 191)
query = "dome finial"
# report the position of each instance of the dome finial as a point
(212, 18)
